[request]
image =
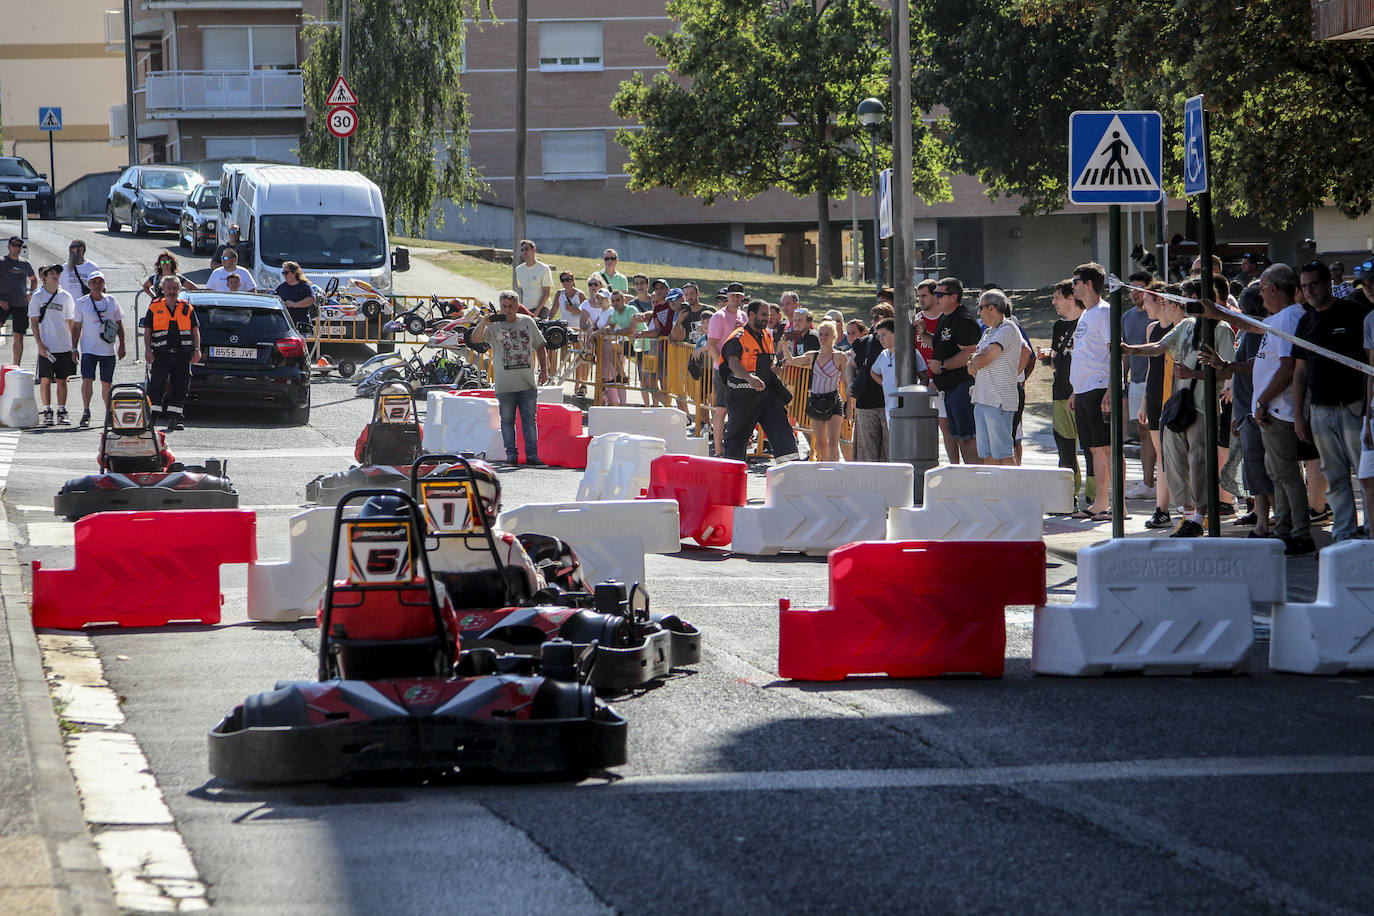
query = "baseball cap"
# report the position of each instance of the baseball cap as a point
(94, 274)
(674, 294)
(735, 287)
(722, 294)
(658, 283)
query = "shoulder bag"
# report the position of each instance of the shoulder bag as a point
(1179, 413)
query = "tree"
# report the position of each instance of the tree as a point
(1290, 123)
(766, 92)
(412, 137)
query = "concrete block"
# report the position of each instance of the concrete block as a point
(1335, 633)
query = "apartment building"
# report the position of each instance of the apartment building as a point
(218, 79)
(51, 57)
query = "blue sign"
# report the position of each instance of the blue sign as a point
(885, 204)
(1194, 147)
(50, 119)
(1115, 157)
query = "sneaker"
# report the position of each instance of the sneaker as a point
(1225, 509)
(1160, 519)
(173, 424)
(1316, 517)
(46, 416)
(1187, 529)
(533, 463)
(1266, 535)
(1248, 519)
(62, 418)
(1141, 491)
(85, 418)
(1299, 547)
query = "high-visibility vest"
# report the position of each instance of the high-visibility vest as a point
(163, 321)
(752, 347)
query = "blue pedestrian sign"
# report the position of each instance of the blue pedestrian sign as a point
(1194, 147)
(50, 119)
(1115, 157)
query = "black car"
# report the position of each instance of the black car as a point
(149, 197)
(251, 355)
(19, 181)
(199, 217)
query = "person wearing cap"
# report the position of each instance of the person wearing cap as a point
(1364, 285)
(1249, 269)
(534, 279)
(231, 242)
(51, 312)
(689, 323)
(171, 342)
(78, 270)
(98, 355)
(723, 323)
(17, 282)
(611, 277)
(753, 394)
(219, 276)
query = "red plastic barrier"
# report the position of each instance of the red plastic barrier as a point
(707, 491)
(4, 371)
(912, 609)
(474, 392)
(145, 569)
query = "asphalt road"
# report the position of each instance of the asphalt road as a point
(743, 793)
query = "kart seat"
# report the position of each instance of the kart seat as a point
(139, 453)
(389, 443)
(387, 632)
(482, 588)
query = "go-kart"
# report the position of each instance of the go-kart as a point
(137, 472)
(507, 604)
(389, 697)
(385, 449)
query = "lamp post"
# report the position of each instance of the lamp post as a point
(870, 114)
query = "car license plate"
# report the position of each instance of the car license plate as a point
(234, 352)
(26, 195)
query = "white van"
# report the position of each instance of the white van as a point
(332, 222)
(230, 175)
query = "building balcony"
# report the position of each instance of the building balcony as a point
(173, 94)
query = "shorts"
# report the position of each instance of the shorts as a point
(91, 363)
(824, 406)
(60, 366)
(18, 314)
(959, 407)
(1366, 469)
(937, 401)
(1093, 429)
(994, 428)
(1135, 396)
(719, 398)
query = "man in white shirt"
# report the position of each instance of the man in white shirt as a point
(98, 355)
(51, 311)
(534, 280)
(1090, 374)
(219, 278)
(1272, 409)
(77, 274)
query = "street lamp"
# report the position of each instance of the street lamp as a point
(871, 114)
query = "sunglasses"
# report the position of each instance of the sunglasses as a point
(77, 248)
(608, 258)
(16, 244)
(940, 294)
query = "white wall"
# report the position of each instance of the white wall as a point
(1336, 233)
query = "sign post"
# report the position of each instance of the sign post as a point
(50, 119)
(341, 119)
(1115, 158)
(1197, 181)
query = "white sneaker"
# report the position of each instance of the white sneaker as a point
(1140, 491)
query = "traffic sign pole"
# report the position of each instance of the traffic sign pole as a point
(52, 164)
(1207, 330)
(1118, 407)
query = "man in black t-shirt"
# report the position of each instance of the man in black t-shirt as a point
(1337, 391)
(17, 282)
(865, 405)
(955, 338)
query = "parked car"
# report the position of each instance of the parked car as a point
(148, 197)
(19, 181)
(199, 218)
(251, 354)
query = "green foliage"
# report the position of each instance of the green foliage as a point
(1290, 124)
(412, 137)
(760, 95)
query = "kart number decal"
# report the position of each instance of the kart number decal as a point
(378, 551)
(396, 408)
(449, 506)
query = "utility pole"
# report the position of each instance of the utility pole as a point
(343, 71)
(521, 82)
(131, 120)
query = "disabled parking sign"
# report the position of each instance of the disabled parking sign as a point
(1115, 157)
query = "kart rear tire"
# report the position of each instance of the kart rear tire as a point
(346, 368)
(372, 309)
(414, 324)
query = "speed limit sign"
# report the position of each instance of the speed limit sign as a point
(342, 122)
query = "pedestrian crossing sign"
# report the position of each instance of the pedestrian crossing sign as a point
(1115, 157)
(49, 118)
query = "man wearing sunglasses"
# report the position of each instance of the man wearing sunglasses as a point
(610, 273)
(17, 283)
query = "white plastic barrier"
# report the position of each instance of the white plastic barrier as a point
(609, 537)
(1335, 633)
(618, 466)
(980, 503)
(1159, 607)
(18, 406)
(458, 424)
(286, 590)
(666, 423)
(814, 507)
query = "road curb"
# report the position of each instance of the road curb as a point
(80, 878)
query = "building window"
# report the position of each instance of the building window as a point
(276, 149)
(570, 46)
(573, 154)
(255, 48)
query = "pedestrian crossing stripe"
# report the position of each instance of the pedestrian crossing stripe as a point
(1116, 164)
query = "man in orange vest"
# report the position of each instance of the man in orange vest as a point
(171, 340)
(754, 396)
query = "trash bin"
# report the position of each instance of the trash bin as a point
(913, 435)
